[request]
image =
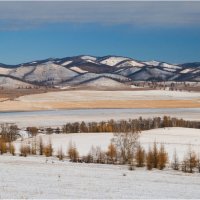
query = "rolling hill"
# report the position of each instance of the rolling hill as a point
(86, 70)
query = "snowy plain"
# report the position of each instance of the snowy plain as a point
(177, 138)
(61, 117)
(40, 177)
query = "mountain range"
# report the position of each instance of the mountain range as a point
(92, 71)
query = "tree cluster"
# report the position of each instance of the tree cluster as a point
(131, 125)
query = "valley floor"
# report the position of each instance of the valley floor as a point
(58, 118)
(34, 177)
(41, 177)
(103, 99)
(173, 138)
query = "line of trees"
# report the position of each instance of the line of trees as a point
(124, 150)
(131, 125)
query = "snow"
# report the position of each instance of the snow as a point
(130, 63)
(170, 66)
(50, 72)
(88, 76)
(196, 71)
(4, 71)
(164, 65)
(77, 69)
(80, 95)
(45, 178)
(59, 117)
(83, 141)
(152, 63)
(38, 178)
(20, 72)
(111, 61)
(150, 72)
(88, 58)
(7, 82)
(104, 82)
(169, 69)
(66, 63)
(186, 71)
(129, 71)
(173, 138)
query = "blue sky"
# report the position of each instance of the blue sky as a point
(165, 31)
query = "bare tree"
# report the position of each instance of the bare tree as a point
(190, 161)
(149, 159)
(140, 156)
(162, 157)
(126, 143)
(111, 153)
(60, 154)
(73, 152)
(175, 161)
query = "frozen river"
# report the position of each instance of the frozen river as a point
(60, 117)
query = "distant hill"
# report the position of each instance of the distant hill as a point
(86, 70)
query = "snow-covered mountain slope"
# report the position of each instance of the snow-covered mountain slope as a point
(111, 60)
(79, 69)
(104, 82)
(91, 76)
(149, 74)
(127, 71)
(4, 71)
(88, 58)
(152, 63)
(130, 63)
(10, 83)
(48, 73)
(21, 72)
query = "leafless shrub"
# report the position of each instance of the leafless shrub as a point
(3, 146)
(48, 149)
(25, 150)
(11, 149)
(149, 159)
(175, 161)
(162, 157)
(190, 161)
(60, 154)
(73, 152)
(112, 153)
(140, 156)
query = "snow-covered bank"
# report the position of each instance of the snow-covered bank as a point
(33, 177)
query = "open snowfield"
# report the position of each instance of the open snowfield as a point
(38, 177)
(33, 177)
(61, 117)
(173, 138)
(85, 95)
(103, 99)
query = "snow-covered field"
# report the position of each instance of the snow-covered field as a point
(40, 177)
(33, 177)
(84, 95)
(83, 141)
(173, 138)
(61, 117)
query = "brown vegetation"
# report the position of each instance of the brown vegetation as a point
(27, 106)
(48, 150)
(73, 152)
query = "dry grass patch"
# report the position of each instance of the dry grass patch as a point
(33, 106)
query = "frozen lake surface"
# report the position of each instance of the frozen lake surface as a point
(60, 117)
